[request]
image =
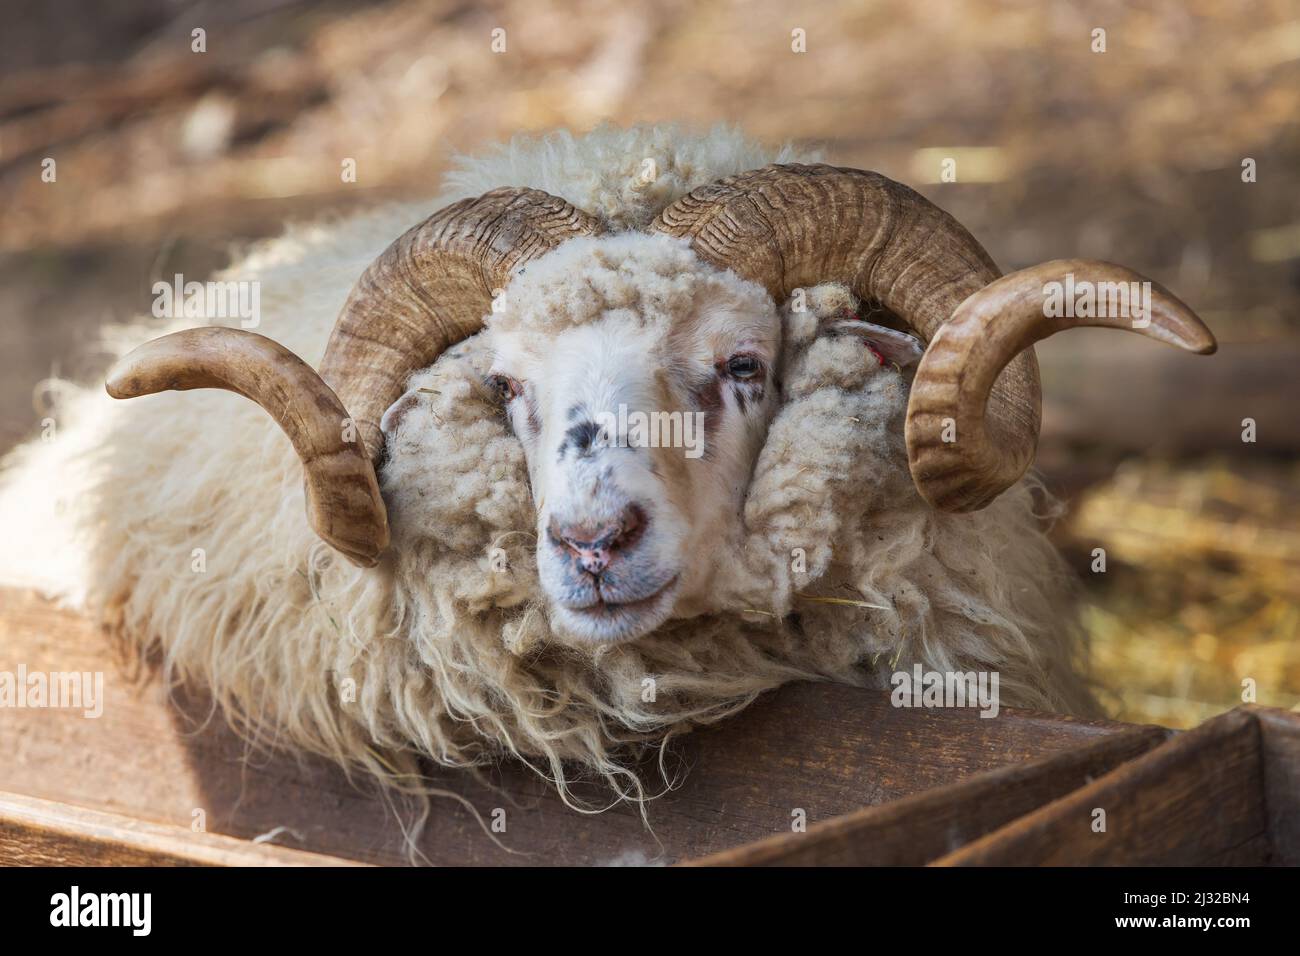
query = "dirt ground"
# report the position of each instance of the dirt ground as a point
(1175, 151)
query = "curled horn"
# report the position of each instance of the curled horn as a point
(343, 501)
(966, 354)
(792, 226)
(428, 290)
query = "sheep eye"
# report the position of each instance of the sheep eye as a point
(743, 366)
(505, 388)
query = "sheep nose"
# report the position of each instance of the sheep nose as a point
(593, 545)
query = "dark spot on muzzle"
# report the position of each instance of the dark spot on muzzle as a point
(581, 437)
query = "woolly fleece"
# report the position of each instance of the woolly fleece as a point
(435, 655)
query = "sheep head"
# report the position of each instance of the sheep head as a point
(617, 524)
(640, 382)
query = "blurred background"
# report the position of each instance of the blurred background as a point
(166, 160)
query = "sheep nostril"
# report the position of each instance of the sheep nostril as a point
(592, 560)
(593, 545)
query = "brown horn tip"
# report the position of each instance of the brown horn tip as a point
(344, 505)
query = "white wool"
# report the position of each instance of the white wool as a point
(179, 521)
(624, 176)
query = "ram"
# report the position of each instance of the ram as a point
(466, 550)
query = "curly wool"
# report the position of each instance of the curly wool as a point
(445, 651)
(623, 176)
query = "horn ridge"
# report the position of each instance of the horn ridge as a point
(431, 288)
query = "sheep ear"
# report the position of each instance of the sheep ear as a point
(392, 419)
(889, 346)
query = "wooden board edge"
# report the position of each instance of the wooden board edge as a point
(37, 832)
(1000, 847)
(1280, 730)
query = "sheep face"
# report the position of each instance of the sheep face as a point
(640, 383)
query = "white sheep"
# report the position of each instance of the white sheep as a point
(521, 577)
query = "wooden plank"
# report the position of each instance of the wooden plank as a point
(1280, 731)
(1197, 799)
(916, 830)
(36, 832)
(822, 749)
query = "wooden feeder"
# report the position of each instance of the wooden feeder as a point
(813, 774)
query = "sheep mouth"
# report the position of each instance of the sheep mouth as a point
(615, 621)
(611, 607)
